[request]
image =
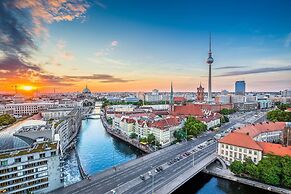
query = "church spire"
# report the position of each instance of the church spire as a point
(172, 94)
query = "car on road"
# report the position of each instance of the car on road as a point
(142, 177)
(217, 136)
(150, 173)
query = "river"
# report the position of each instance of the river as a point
(99, 151)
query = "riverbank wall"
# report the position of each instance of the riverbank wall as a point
(226, 174)
(115, 133)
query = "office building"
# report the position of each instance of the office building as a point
(240, 87)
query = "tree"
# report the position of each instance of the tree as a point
(237, 167)
(194, 127)
(286, 171)
(225, 111)
(270, 170)
(143, 140)
(250, 168)
(133, 135)
(279, 115)
(110, 121)
(282, 106)
(151, 138)
(6, 119)
(274, 170)
(180, 135)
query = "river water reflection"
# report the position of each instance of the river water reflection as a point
(97, 151)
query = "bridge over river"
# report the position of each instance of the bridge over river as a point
(125, 178)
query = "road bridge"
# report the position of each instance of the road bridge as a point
(125, 178)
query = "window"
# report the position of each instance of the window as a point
(17, 160)
(240, 150)
(255, 152)
(4, 163)
(29, 158)
(250, 151)
(42, 155)
(222, 145)
(245, 150)
(53, 153)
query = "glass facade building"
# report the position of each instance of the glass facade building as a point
(240, 87)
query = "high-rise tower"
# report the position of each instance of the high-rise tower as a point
(209, 61)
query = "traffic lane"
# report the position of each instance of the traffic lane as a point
(174, 170)
(159, 178)
(180, 168)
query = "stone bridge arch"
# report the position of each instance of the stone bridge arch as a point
(88, 103)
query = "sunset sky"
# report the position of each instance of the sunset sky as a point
(137, 45)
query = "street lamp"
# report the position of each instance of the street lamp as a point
(153, 180)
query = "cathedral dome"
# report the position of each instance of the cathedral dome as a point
(86, 90)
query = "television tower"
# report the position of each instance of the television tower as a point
(209, 61)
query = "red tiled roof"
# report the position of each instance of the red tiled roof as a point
(275, 149)
(36, 117)
(165, 123)
(128, 120)
(240, 140)
(256, 129)
(188, 109)
(161, 112)
(179, 99)
(288, 110)
(209, 118)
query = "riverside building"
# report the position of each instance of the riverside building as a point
(253, 141)
(35, 169)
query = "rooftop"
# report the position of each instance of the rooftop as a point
(189, 109)
(240, 140)
(275, 149)
(255, 129)
(41, 147)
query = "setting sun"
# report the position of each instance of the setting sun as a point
(27, 88)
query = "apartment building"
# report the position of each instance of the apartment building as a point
(253, 141)
(162, 128)
(36, 169)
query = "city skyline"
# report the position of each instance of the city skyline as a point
(133, 46)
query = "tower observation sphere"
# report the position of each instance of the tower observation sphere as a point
(209, 60)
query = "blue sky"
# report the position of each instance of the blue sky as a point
(142, 45)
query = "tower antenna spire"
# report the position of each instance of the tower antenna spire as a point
(210, 43)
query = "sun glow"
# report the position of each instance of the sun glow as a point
(27, 88)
